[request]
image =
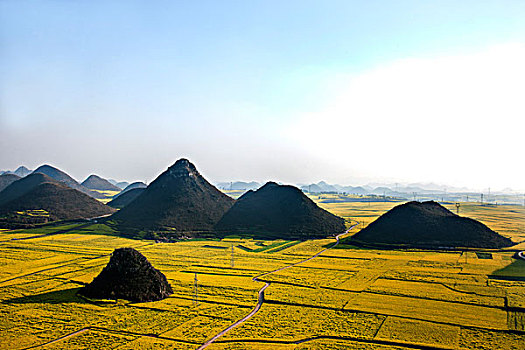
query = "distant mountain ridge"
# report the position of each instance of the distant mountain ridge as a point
(122, 184)
(61, 176)
(95, 182)
(239, 185)
(21, 171)
(132, 186)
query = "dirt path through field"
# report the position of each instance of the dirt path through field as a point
(261, 291)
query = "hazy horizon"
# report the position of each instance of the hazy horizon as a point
(297, 92)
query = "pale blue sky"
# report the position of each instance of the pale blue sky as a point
(245, 88)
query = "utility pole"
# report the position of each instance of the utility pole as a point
(482, 199)
(195, 292)
(232, 260)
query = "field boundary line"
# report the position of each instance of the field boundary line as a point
(379, 341)
(266, 285)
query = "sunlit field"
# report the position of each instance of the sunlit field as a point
(108, 195)
(344, 299)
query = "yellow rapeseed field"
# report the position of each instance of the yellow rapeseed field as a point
(346, 298)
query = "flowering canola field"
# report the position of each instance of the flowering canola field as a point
(346, 298)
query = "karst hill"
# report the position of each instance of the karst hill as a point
(128, 275)
(179, 203)
(428, 224)
(279, 211)
(39, 191)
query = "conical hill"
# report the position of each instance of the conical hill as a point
(128, 275)
(429, 224)
(279, 211)
(179, 202)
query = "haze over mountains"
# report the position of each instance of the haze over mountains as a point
(95, 182)
(403, 191)
(181, 203)
(20, 171)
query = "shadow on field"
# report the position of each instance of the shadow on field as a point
(56, 297)
(512, 272)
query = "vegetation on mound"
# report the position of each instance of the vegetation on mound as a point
(94, 182)
(277, 211)
(178, 203)
(64, 178)
(128, 275)
(124, 199)
(428, 224)
(7, 179)
(38, 192)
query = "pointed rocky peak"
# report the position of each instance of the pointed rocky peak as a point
(183, 167)
(22, 171)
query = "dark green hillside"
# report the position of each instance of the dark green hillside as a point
(40, 192)
(132, 186)
(428, 224)
(124, 199)
(7, 179)
(61, 176)
(277, 211)
(179, 203)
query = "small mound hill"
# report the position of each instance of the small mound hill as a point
(428, 224)
(279, 211)
(179, 201)
(122, 200)
(128, 275)
(132, 186)
(7, 179)
(61, 176)
(39, 191)
(94, 182)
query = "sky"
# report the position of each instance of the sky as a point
(349, 92)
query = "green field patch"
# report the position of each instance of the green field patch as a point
(513, 272)
(420, 332)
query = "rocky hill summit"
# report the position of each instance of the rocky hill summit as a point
(128, 275)
(179, 202)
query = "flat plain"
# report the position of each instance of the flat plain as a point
(346, 298)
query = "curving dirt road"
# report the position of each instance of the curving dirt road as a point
(261, 292)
